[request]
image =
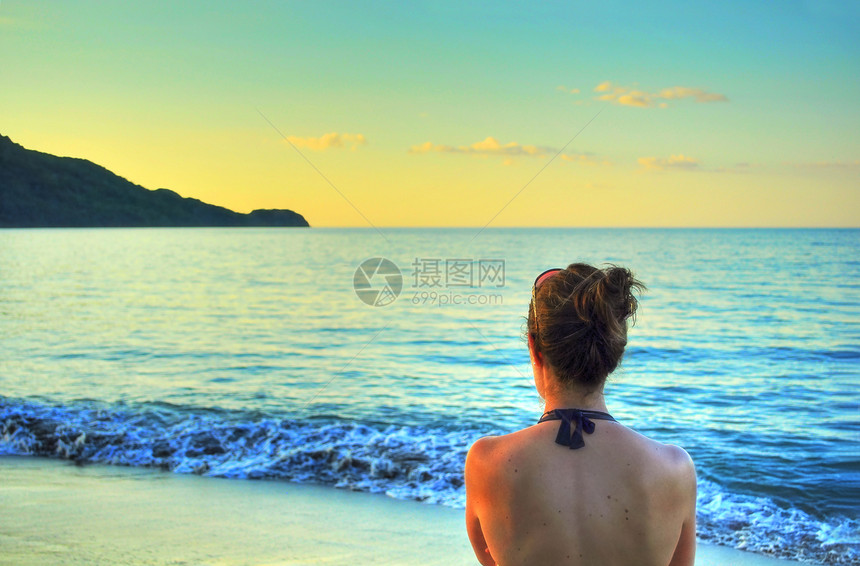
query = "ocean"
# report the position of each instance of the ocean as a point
(371, 360)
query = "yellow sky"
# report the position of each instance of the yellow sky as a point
(449, 115)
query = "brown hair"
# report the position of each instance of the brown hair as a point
(581, 326)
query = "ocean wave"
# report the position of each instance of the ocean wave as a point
(777, 353)
(408, 462)
(423, 463)
(758, 524)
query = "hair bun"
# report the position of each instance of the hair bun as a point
(583, 320)
(619, 282)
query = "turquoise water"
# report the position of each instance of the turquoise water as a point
(247, 353)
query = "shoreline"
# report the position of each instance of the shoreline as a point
(56, 512)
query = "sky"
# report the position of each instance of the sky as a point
(670, 114)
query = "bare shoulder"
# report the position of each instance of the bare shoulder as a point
(482, 464)
(678, 457)
(488, 447)
(669, 454)
(482, 447)
(488, 452)
(678, 462)
(666, 461)
(480, 454)
(681, 465)
(678, 470)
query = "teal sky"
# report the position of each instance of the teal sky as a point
(737, 114)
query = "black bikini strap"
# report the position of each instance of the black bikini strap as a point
(581, 421)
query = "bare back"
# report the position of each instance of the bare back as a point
(621, 499)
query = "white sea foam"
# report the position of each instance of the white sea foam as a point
(407, 462)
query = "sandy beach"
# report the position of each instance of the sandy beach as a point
(54, 512)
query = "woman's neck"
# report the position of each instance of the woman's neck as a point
(575, 398)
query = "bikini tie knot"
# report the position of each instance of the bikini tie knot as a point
(573, 423)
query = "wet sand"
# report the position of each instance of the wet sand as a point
(53, 512)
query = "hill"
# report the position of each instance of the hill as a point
(42, 190)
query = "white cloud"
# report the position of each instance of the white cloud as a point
(487, 146)
(628, 96)
(828, 164)
(328, 141)
(635, 98)
(679, 161)
(490, 146)
(698, 94)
